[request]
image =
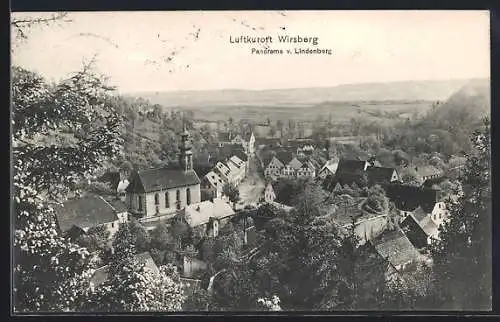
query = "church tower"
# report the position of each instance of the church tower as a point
(185, 155)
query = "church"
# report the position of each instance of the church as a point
(164, 191)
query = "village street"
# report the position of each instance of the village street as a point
(252, 187)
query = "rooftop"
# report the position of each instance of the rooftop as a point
(101, 274)
(200, 213)
(85, 212)
(380, 174)
(396, 248)
(161, 179)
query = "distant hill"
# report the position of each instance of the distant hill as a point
(473, 100)
(407, 90)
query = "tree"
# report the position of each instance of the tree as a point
(23, 25)
(95, 239)
(46, 173)
(232, 193)
(198, 300)
(462, 256)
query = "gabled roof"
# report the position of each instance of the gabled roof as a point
(161, 179)
(419, 214)
(101, 274)
(275, 160)
(232, 167)
(222, 169)
(237, 161)
(307, 166)
(295, 164)
(396, 248)
(331, 166)
(380, 174)
(429, 226)
(85, 212)
(408, 198)
(284, 156)
(350, 166)
(215, 180)
(200, 213)
(229, 150)
(118, 205)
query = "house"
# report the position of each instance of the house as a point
(236, 174)
(269, 194)
(422, 226)
(425, 173)
(306, 170)
(408, 198)
(211, 186)
(101, 274)
(240, 167)
(273, 168)
(155, 192)
(224, 172)
(350, 170)
(80, 214)
(440, 213)
(397, 249)
(329, 168)
(208, 216)
(414, 231)
(381, 175)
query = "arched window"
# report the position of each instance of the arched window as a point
(167, 202)
(178, 199)
(157, 199)
(188, 196)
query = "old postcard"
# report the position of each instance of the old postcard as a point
(250, 161)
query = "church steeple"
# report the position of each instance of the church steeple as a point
(185, 155)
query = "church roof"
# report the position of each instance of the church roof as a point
(161, 178)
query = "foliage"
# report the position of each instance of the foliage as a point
(232, 193)
(462, 256)
(96, 239)
(45, 171)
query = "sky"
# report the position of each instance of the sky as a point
(367, 46)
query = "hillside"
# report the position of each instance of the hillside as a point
(472, 100)
(407, 90)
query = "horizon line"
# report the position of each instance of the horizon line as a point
(305, 87)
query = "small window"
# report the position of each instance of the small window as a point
(112, 225)
(188, 196)
(167, 202)
(139, 203)
(178, 199)
(157, 199)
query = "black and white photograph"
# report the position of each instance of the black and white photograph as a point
(250, 161)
